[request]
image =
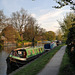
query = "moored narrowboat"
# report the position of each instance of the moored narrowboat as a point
(21, 56)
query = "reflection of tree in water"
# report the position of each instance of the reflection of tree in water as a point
(9, 49)
(9, 68)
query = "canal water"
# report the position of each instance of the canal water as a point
(3, 56)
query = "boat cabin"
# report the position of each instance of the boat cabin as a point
(19, 53)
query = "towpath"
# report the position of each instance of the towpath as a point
(52, 68)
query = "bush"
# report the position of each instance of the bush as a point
(71, 35)
(71, 45)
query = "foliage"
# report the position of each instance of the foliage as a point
(19, 19)
(22, 26)
(2, 20)
(69, 23)
(34, 32)
(50, 35)
(71, 35)
(71, 45)
(11, 34)
(63, 3)
(24, 23)
(59, 35)
(66, 24)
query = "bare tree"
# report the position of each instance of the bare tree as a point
(19, 20)
(2, 20)
(30, 28)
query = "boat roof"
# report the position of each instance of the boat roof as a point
(27, 48)
(21, 48)
(18, 49)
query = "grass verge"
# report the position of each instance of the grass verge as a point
(66, 67)
(37, 65)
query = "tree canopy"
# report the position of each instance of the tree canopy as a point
(66, 24)
(50, 35)
(59, 35)
(22, 26)
(63, 3)
(10, 34)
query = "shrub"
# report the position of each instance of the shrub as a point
(71, 45)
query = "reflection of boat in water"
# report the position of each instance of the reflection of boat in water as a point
(21, 56)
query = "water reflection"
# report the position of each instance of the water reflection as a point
(3, 65)
(3, 55)
(9, 49)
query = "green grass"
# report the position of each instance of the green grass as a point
(37, 65)
(66, 67)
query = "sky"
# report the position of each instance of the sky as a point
(46, 16)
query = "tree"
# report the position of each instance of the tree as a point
(59, 35)
(66, 24)
(71, 30)
(71, 35)
(41, 34)
(63, 3)
(30, 30)
(19, 20)
(10, 34)
(2, 20)
(50, 35)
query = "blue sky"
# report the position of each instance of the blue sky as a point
(40, 9)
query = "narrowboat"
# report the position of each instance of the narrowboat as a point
(49, 45)
(20, 56)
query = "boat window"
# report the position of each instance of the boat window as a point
(19, 53)
(22, 53)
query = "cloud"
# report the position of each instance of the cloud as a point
(33, 15)
(49, 20)
(51, 14)
(51, 26)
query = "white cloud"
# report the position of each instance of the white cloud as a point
(51, 26)
(51, 14)
(33, 15)
(49, 20)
